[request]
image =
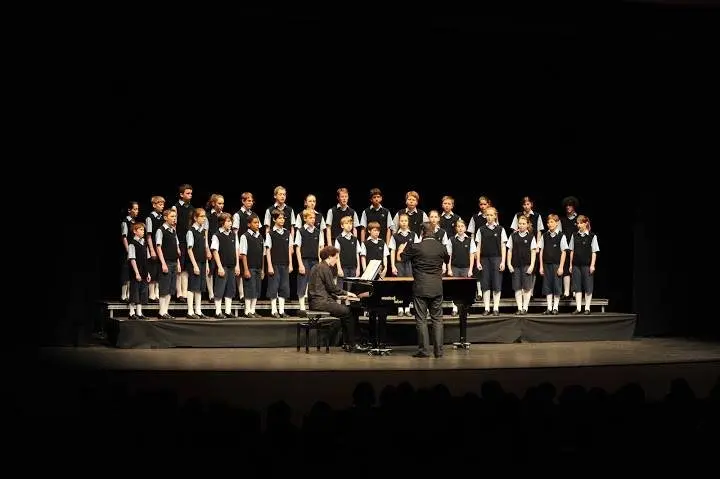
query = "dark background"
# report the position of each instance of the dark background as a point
(607, 103)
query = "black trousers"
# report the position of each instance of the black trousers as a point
(347, 316)
(433, 306)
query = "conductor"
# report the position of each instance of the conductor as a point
(427, 259)
(323, 292)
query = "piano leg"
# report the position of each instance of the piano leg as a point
(380, 320)
(463, 314)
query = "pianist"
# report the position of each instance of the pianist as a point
(427, 259)
(322, 294)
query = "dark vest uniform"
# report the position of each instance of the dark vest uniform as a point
(140, 257)
(478, 221)
(254, 250)
(380, 216)
(338, 214)
(569, 226)
(415, 221)
(438, 235)
(129, 224)
(184, 220)
(448, 224)
(199, 246)
(521, 249)
(491, 239)
(400, 239)
(310, 243)
(169, 245)
(227, 249)
(156, 223)
(551, 248)
(243, 226)
(582, 249)
(374, 250)
(460, 252)
(348, 251)
(280, 247)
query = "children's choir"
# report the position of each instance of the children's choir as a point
(184, 252)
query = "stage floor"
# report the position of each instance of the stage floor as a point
(256, 377)
(479, 356)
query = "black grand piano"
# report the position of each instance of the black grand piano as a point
(382, 297)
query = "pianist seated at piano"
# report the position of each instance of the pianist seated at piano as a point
(427, 259)
(323, 294)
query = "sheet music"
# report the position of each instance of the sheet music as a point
(372, 271)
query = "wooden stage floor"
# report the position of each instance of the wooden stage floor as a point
(255, 378)
(479, 357)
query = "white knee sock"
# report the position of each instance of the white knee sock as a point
(566, 285)
(184, 276)
(210, 287)
(519, 299)
(198, 303)
(241, 294)
(273, 305)
(248, 306)
(556, 302)
(496, 300)
(218, 307)
(228, 305)
(526, 299)
(588, 298)
(253, 303)
(124, 291)
(138, 308)
(486, 299)
(302, 303)
(281, 305)
(549, 299)
(132, 310)
(578, 300)
(162, 304)
(190, 299)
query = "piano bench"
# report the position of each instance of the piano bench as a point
(321, 322)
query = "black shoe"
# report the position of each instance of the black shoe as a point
(230, 316)
(486, 313)
(587, 311)
(302, 313)
(284, 315)
(420, 354)
(276, 315)
(496, 313)
(576, 312)
(256, 316)
(202, 316)
(437, 356)
(140, 316)
(220, 316)
(165, 316)
(555, 312)
(191, 316)
(518, 312)
(132, 316)
(182, 299)
(547, 311)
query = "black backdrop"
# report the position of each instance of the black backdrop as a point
(505, 103)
